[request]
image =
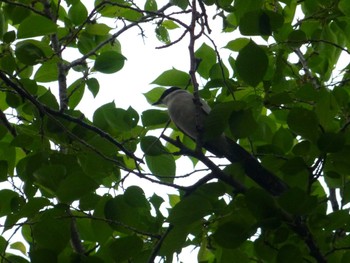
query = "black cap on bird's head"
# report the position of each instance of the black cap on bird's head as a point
(165, 93)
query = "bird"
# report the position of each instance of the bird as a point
(189, 115)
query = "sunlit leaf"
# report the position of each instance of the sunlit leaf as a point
(172, 77)
(36, 25)
(109, 62)
(78, 13)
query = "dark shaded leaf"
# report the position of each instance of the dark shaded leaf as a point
(125, 248)
(242, 123)
(331, 142)
(303, 122)
(151, 145)
(93, 85)
(163, 166)
(289, 254)
(52, 232)
(252, 63)
(190, 210)
(233, 233)
(297, 202)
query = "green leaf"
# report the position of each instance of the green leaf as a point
(96, 167)
(29, 53)
(51, 231)
(303, 122)
(124, 209)
(8, 63)
(252, 57)
(98, 29)
(174, 241)
(8, 197)
(151, 5)
(289, 254)
(162, 34)
(163, 166)
(135, 197)
(169, 24)
(47, 72)
(75, 93)
(36, 25)
(237, 44)
(180, 3)
(49, 100)
(255, 23)
(16, 13)
(207, 57)
(50, 176)
(217, 120)
(331, 142)
(75, 186)
(190, 210)
(154, 118)
(242, 123)
(93, 85)
(218, 72)
(344, 6)
(172, 77)
(13, 100)
(283, 139)
(16, 259)
(261, 204)
(78, 13)
(233, 233)
(109, 62)
(9, 36)
(3, 170)
(296, 38)
(3, 245)
(114, 119)
(297, 202)
(125, 249)
(326, 109)
(33, 206)
(151, 145)
(20, 247)
(153, 95)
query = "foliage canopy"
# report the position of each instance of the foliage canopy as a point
(280, 94)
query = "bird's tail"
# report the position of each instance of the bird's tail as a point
(235, 153)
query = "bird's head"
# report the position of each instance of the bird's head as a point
(166, 94)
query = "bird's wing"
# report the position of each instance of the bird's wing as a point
(204, 106)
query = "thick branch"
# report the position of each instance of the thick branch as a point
(62, 71)
(7, 124)
(216, 171)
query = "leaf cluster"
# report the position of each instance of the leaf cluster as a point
(66, 180)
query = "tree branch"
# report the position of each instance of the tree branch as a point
(43, 109)
(216, 171)
(306, 68)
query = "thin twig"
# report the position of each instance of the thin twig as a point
(306, 68)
